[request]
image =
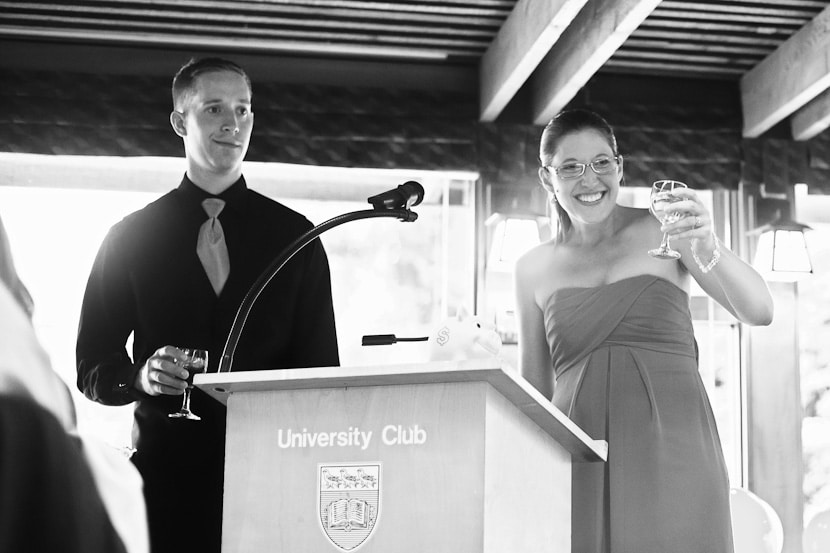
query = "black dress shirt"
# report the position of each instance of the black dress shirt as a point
(147, 280)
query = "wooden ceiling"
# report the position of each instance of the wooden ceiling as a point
(776, 51)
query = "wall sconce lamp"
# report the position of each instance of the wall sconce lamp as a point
(512, 234)
(781, 253)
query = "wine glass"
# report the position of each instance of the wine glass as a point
(196, 362)
(660, 206)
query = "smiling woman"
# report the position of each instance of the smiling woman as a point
(606, 332)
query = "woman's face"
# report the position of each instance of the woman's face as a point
(590, 197)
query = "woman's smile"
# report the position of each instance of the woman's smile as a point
(590, 198)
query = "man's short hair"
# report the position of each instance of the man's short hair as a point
(185, 78)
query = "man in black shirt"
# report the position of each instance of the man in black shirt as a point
(148, 280)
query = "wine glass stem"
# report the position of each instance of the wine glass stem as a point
(186, 406)
(665, 245)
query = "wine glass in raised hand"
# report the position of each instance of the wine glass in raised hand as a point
(662, 198)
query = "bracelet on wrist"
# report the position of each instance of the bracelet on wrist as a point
(712, 262)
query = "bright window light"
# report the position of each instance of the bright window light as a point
(387, 277)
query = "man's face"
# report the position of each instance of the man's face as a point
(216, 124)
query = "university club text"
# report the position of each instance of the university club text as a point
(392, 434)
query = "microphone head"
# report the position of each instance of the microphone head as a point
(413, 189)
(402, 196)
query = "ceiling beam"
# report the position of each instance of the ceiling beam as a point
(268, 66)
(795, 73)
(596, 33)
(523, 40)
(813, 118)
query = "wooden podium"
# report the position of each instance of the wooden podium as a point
(455, 457)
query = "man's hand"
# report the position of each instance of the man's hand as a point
(162, 373)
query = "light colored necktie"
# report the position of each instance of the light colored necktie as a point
(211, 247)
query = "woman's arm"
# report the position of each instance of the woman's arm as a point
(534, 353)
(730, 281)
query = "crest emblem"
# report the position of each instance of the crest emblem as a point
(348, 505)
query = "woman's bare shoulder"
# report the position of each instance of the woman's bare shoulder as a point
(637, 215)
(536, 258)
(640, 224)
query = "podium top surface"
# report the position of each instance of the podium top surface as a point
(501, 376)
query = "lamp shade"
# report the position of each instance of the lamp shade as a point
(782, 252)
(512, 235)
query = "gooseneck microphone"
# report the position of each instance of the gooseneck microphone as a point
(406, 195)
(394, 203)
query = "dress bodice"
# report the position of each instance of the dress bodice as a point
(644, 311)
(625, 366)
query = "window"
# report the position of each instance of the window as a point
(388, 277)
(814, 363)
(814, 353)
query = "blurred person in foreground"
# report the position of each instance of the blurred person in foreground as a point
(61, 491)
(148, 280)
(605, 331)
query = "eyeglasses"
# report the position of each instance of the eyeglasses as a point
(600, 166)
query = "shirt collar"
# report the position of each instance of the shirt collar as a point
(234, 195)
